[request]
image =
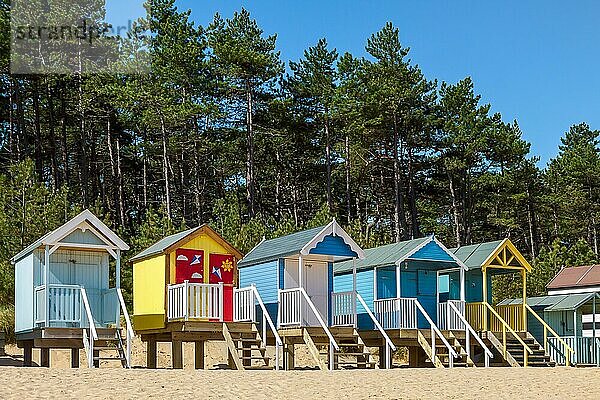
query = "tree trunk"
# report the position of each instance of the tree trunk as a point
(120, 183)
(412, 198)
(455, 212)
(250, 150)
(348, 205)
(165, 159)
(399, 216)
(39, 163)
(328, 163)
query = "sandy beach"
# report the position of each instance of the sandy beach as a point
(497, 383)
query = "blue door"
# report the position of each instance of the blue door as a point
(427, 295)
(408, 284)
(386, 283)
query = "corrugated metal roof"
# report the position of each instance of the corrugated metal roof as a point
(572, 277)
(162, 244)
(561, 302)
(273, 249)
(383, 255)
(474, 255)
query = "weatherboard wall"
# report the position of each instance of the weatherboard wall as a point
(24, 294)
(365, 287)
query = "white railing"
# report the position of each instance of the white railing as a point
(586, 350)
(435, 331)
(343, 308)
(195, 300)
(128, 328)
(289, 312)
(470, 331)
(245, 311)
(88, 339)
(244, 301)
(63, 304)
(449, 318)
(389, 345)
(291, 303)
(396, 313)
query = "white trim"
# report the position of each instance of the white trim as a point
(85, 216)
(590, 290)
(451, 254)
(375, 284)
(333, 228)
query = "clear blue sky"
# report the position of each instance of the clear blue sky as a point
(535, 61)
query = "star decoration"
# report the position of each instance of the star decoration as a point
(227, 265)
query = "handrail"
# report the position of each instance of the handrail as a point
(129, 328)
(597, 348)
(319, 318)
(377, 324)
(505, 326)
(547, 328)
(267, 316)
(468, 326)
(435, 329)
(88, 312)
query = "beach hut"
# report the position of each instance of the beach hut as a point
(183, 291)
(565, 314)
(63, 298)
(294, 276)
(403, 298)
(503, 326)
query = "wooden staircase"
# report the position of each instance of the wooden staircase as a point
(514, 355)
(108, 347)
(442, 354)
(246, 349)
(352, 353)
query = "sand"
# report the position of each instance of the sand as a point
(60, 381)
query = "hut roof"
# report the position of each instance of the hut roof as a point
(576, 277)
(559, 302)
(85, 219)
(475, 255)
(296, 243)
(167, 244)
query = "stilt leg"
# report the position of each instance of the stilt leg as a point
(96, 358)
(288, 357)
(199, 355)
(27, 355)
(246, 352)
(151, 354)
(177, 353)
(382, 357)
(45, 357)
(74, 358)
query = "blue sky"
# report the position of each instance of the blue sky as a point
(534, 61)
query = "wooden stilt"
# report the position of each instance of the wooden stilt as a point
(199, 355)
(382, 355)
(45, 357)
(177, 354)
(288, 357)
(246, 352)
(28, 355)
(74, 358)
(151, 354)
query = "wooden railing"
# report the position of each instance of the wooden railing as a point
(396, 313)
(63, 307)
(389, 345)
(92, 335)
(505, 327)
(129, 334)
(448, 319)
(289, 312)
(469, 331)
(245, 300)
(512, 314)
(195, 300)
(567, 349)
(343, 308)
(586, 350)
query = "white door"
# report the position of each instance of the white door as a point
(314, 281)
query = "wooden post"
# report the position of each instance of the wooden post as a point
(177, 354)
(247, 352)
(524, 300)
(27, 354)
(288, 357)
(45, 357)
(485, 310)
(199, 354)
(74, 358)
(382, 357)
(118, 269)
(397, 280)
(462, 284)
(46, 278)
(96, 356)
(151, 354)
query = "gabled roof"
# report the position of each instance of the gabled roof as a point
(169, 243)
(84, 220)
(299, 243)
(496, 254)
(576, 277)
(393, 254)
(559, 302)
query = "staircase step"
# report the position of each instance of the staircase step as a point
(259, 367)
(254, 358)
(109, 358)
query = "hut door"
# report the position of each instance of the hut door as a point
(315, 284)
(222, 269)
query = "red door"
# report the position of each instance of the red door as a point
(222, 269)
(189, 266)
